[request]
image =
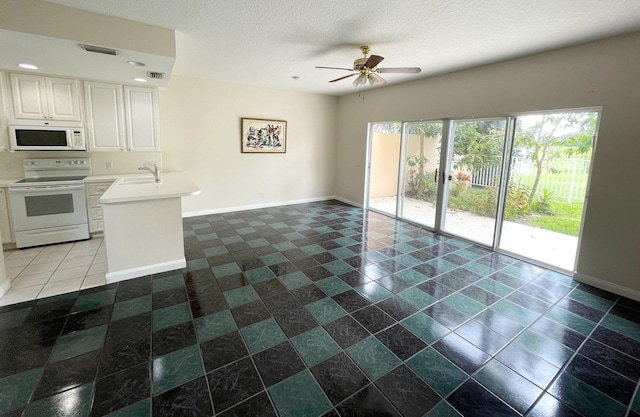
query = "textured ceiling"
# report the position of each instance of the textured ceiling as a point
(266, 43)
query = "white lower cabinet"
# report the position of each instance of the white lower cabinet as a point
(96, 215)
(5, 220)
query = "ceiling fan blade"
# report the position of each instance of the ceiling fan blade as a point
(377, 80)
(403, 70)
(342, 78)
(346, 69)
(373, 61)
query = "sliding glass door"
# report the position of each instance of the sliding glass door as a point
(515, 184)
(384, 156)
(547, 187)
(473, 178)
(421, 157)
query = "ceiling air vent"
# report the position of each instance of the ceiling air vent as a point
(155, 75)
(99, 49)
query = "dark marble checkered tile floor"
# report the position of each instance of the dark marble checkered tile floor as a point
(325, 310)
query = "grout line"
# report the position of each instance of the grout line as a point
(575, 353)
(66, 254)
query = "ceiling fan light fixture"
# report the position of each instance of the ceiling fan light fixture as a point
(366, 69)
(361, 81)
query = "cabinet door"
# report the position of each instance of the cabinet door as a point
(4, 113)
(105, 117)
(5, 223)
(63, 100)
(29, 97)
(141, 106)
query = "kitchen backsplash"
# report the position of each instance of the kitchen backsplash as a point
(102, 163)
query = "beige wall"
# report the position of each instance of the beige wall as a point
(603, 73)
(200, 125)
(385, 153)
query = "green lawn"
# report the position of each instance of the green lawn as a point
(559, 179)
(565, 219)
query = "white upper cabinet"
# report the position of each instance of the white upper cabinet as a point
(141, 106)
(105, 116)
(37, 97)
(121, 118)
(63, 99)
(4, 116)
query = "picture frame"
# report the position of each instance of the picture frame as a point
(263, 136)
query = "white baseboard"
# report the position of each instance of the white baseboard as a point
(256, 206)
(607, 286)
(145, 270)
(347, 201)
(5, 287)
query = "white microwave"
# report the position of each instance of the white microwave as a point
(47, 135)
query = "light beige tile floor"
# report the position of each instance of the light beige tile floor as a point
(54, 269)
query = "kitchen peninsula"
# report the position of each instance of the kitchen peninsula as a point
(143, 225)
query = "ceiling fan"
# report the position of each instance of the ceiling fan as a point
(367, 70)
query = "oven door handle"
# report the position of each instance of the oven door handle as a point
(45, 188)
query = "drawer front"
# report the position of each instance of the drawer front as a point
(97, 213)
(94, 200)
(96, 226)
(99, 188)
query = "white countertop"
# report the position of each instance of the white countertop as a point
(142, 187)
(5, 182)
(105, 178)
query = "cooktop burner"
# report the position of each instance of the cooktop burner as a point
(50, 179)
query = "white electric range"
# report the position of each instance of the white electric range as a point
(49, 205)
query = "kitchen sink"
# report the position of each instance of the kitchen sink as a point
(137, 180)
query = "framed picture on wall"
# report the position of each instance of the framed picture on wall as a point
(263, 136)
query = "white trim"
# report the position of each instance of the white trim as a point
(607, 286)
(347, 201)
(145, 270)
(256, 206)
(5, 287)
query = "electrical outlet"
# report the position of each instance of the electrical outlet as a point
(109, 165)
(262, 194)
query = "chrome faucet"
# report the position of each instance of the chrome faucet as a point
(154, 171)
